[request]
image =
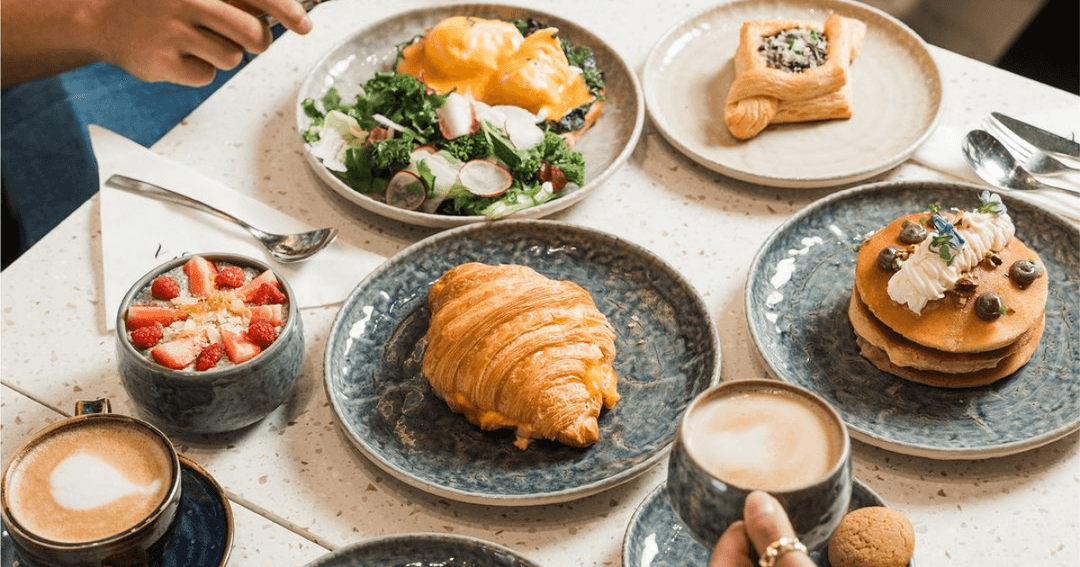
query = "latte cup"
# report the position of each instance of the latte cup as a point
(747, 435)
(95, 489)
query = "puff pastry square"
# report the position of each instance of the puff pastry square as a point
(761, 95)
(509, 348)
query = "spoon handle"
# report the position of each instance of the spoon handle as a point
(1074, 191)
(156, 191)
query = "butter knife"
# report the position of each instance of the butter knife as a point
(1045, 141)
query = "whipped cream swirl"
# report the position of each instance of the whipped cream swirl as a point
(926, 276)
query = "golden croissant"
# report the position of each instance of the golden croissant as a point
(762, 95)
(510, 348)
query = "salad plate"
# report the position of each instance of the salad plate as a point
(656, 537)
(667, 347)
(895, 85)
(796, 298)
(424, 550)
(605, 146)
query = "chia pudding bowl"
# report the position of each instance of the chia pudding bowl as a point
(209, 343)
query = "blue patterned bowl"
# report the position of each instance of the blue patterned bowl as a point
(668, 350)
(424, 550)
(215, 400)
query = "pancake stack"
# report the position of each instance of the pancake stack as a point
(951, 340)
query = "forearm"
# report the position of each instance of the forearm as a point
(39, 38)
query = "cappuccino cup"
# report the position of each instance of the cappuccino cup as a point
(95, 489)
(747, 435)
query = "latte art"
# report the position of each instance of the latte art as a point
(84, 481)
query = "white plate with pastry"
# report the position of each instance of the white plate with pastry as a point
(810, 128)
(385, 342)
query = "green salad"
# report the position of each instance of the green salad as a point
(401, 143)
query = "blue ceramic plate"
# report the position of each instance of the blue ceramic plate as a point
(668, 351)
(656, 538)
(796, 303)
(201, 536)
(423, 550)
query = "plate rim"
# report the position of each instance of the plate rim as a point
(328, 559)
(432, 220)
(538, 499)
(650, 68)
(870, 437)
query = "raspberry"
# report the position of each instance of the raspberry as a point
(268, 294)
(231, 277)
(146, 337)
(165, 288)
(261, 333)
(209, 357)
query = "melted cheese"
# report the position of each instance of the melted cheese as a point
(490, 60)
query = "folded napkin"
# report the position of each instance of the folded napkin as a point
(139, 232)
(942, 151)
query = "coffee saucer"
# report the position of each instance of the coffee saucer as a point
(656, 538)
(200, 537)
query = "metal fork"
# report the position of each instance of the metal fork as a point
(1033, 159)
(271, 21)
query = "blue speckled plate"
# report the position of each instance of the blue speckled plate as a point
(668, 350)
(796, 303)
(423, 550)
(201, 536)
(656, 537)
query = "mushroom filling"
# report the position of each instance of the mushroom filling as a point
(794, 50)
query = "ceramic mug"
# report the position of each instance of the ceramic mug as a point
(95, 489)
(748, 435)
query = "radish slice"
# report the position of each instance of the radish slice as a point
(446, 176)
(484, 178)
(457, 117)
(406, 191)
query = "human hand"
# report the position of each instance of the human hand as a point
(186, 41)
(764, 522)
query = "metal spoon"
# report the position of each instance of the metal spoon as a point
(285, 248)
(993, 162)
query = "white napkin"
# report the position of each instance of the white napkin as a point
(139, 233)
(942, 151)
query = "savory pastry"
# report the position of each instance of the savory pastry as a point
(874, 536)
(510, 348)
(494, 63)
(789, 71)
(949, 299)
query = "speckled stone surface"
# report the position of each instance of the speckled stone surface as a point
(297, 468)
(797, 295)
(424, 550)
(666, 344)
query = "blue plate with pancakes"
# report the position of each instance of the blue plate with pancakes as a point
(667, 347)
(423, 550)
(797, 295)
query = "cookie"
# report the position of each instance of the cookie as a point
(872, 537)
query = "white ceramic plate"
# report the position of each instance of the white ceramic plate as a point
(352, 62)
(896, 89)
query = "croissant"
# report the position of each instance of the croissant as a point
(510, 348)
(762, 95)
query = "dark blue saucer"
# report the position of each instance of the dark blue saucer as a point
(201, 536)
(656, 537)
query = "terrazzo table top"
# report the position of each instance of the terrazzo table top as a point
(299, 488)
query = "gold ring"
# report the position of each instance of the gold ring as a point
(778, 548)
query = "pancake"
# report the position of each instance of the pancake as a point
(950, 324)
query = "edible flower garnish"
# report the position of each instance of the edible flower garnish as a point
(991, 203)
(947, 239)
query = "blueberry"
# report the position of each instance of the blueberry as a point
(912, 233)
(886, 259)
(1023, 272)
(988, 306)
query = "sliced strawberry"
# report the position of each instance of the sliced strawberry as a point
(146, 315)
(248, 291)
(230, 277)
(201, 274)
(238, 347)
(146, 337)
(178, 353)
(268, 295)
(209, 357)
(272, 313)
(165, 288)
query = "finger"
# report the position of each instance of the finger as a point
(183, 70)
(289, 12)
(214, 49)
(234, 24)
(766, 522)
(733, 549)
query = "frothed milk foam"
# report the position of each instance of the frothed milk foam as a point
(87, 483)
(772, 440)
